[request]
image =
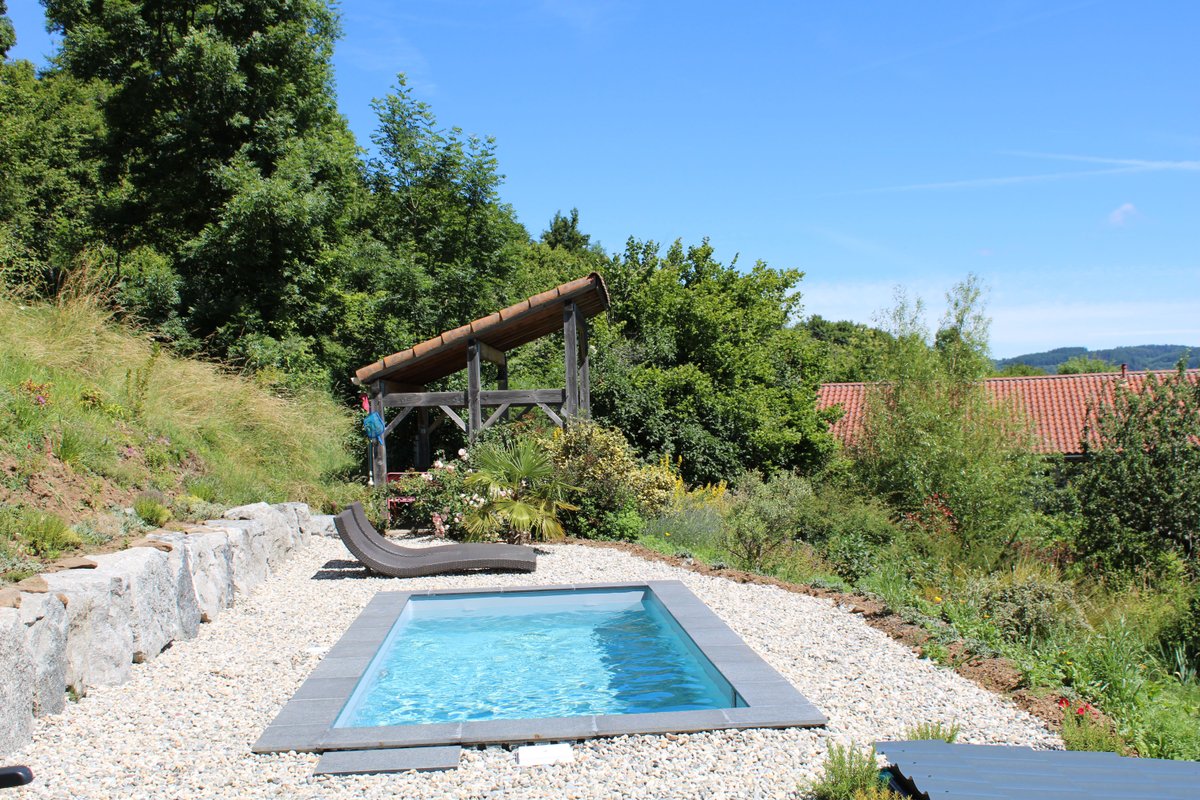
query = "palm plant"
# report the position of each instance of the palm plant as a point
(522, 494)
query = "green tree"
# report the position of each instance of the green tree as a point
(931, 429)
(852, 350)
(697, 360)
(1139, 488)
(564, 233)
(1079, 365)
(1019, 370)
(225, 163)
(8, 35)
(436, 199)
(50, 132)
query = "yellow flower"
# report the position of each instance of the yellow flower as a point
(937, 599)
(666, 534)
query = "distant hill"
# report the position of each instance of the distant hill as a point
(1136, 357)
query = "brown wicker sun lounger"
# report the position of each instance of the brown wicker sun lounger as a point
(379, 554)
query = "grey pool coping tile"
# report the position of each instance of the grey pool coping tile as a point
(306, 722)
(660, 722)
(306, 712)
(392, 736)
(325, 688)
(337, 667)
(368, 762)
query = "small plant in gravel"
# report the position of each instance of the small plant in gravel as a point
(849, 771)
(924, 731)
(878, 792)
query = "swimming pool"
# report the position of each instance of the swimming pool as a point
(531, 664)
(534, 654)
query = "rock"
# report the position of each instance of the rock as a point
(10, 597)
(45, 619)
(154, 540)
(16, 683)
(99, 635)
(33, 585)
(74, 562)
(249, 552)
(187, 606)
(299, 521)
(278, 530)
(155, 619)
(322, 525)
(210, 559)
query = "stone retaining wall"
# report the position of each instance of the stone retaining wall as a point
(86, 627)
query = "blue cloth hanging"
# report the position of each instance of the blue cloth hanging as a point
(374, 427)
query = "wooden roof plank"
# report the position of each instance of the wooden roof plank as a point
(516, 325)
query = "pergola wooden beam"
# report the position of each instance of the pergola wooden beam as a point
(398, 381)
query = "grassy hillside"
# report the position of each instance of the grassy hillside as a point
(1136, 357)
(95, 419)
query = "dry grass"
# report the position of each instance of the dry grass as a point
(128, 411)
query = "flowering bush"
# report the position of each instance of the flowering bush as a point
(614, 492)
(1084, 728)
(437, 500)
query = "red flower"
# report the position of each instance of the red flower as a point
(1063, 702)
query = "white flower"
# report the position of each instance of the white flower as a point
(462, 452)
(437, 464)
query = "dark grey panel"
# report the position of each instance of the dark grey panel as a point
(936, 769)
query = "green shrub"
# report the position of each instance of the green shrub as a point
(1182, 633)
(932, 730)
(42, 534)
(850, 553)
(151, 510)
(1139, 490)
(522, 494)
(1026, 604)
(849, 771)
(202, 488)
(764, 516)
(625, 525)
(440, 498)
(609, 484)
(695, 522)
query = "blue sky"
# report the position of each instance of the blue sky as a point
(1051, 147)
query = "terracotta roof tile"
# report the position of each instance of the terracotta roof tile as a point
(1058, 405)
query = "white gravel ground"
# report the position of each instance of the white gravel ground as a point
(183, 726)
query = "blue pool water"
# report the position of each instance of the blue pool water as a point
(521, 655)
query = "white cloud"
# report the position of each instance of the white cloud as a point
(1122, 214)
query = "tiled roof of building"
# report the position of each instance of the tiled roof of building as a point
(1058, 405)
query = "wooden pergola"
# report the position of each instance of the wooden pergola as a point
(399, 381)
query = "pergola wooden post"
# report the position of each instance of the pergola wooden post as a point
(379, 451)
(399, 381)
(571, 357)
